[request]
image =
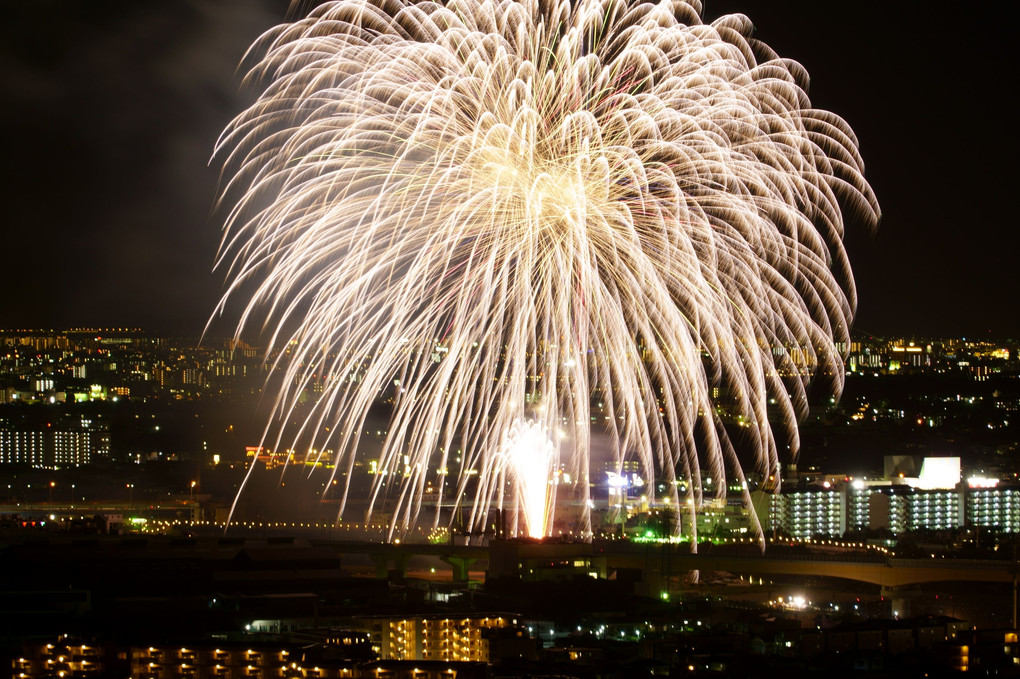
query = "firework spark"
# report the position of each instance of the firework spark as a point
(599, 215)
(526, 462)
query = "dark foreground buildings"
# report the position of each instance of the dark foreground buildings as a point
(278, 606)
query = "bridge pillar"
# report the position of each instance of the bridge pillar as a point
(651, 584)
(382, 566)
(899, 599)
(1014, 596)
(461, 566)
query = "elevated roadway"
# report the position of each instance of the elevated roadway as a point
(874, 569)
(509, 558)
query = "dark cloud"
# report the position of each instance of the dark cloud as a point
(106, 189)
(924, 86)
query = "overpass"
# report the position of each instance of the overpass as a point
(875, 569)
(460, 557)
(513, 558)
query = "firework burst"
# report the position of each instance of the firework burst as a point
(598, 216)
(526, 465)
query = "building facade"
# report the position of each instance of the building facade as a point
(56, 446)
(805, 513)
(898, 508)
(435, 638)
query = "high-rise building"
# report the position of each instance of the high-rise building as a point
(805, 513)
(901, 508)
(23, 447)
(70, 443)
(435, 638)
(934, 497)
(994, 507)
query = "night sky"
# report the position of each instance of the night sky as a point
(111, 110)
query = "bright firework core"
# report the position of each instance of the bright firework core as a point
(529, 459)
(606, 207)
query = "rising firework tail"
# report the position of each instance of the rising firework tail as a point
(600, 217)
(526, 464)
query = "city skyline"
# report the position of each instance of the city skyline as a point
(109, 202)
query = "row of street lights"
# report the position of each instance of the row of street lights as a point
(130, 487)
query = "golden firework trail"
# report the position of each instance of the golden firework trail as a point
(597, 217)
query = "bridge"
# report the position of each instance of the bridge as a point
(514, 558)
(656, 562)
(876, 569)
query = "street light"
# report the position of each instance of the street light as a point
(191, 491)
(52, 485)
(131, 492)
